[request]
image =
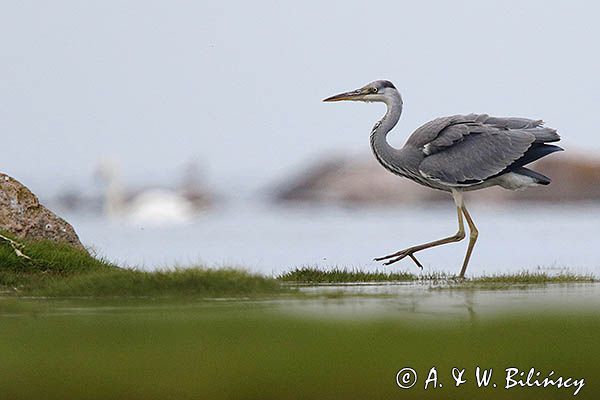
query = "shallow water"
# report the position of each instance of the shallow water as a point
(321, 347)
(422, 301)
(427, 301)
(271, 239)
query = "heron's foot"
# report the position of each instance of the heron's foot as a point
(401, 254)
(393, 258)
(386, 257)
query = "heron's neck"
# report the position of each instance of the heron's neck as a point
(381, 148)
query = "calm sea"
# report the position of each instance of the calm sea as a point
(271, 239)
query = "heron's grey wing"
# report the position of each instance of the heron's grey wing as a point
(542, 133)
(439, 129)
(514, 123)
(466, 153)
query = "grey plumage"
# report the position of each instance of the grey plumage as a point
(457, 153)
(467, 150)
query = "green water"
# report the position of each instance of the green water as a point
(336, 342)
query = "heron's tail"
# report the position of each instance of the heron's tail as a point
(536, 176)
(535, 152)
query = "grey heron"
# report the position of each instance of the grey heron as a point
(456, 154)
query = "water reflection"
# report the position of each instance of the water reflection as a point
(426, 302)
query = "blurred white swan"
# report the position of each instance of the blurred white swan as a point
(151, 206)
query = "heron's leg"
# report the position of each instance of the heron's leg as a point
(472, 239)
(460, 235)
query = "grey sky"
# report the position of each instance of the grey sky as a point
(237, 85)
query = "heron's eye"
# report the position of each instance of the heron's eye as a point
(374, 90)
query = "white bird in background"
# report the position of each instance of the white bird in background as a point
(153, 206)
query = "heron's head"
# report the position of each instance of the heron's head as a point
(381, 91)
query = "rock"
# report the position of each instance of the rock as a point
(22, 215)
(363, 181)
(353, 182)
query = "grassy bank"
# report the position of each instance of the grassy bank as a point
(60, 270)
(336, 275)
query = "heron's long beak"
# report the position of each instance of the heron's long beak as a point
(353, 95)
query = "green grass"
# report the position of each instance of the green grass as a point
(50, 262)
(522, 280)
(534, 278)
(318, 276)
(179, 282)
(61, 270)
(315, 275)
(242, 351)
(56, 258)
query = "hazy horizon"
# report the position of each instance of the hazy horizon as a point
(236, 86)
